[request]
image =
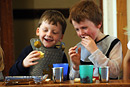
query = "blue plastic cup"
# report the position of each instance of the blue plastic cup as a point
(65, 69)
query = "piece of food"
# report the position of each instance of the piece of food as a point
(37, 44)
(41, 54)
(94, 80)
(77, 80)
(47, 80)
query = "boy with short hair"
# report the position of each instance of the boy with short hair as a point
(50, 31)
(95, 47)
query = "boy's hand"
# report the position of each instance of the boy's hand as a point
(89, 44)
(33, 56)
(75, 57)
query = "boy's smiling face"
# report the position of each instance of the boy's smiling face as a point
(49, 34)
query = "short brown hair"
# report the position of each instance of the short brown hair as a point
(53, 16)
(86, 9)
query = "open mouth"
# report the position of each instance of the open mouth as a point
(82, 36)
(49, 40)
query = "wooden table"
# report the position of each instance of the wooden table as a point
(111, 83)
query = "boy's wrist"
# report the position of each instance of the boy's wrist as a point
(92, 51)
(76, 67)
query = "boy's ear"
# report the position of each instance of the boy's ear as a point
(37, 32)
(99, 26)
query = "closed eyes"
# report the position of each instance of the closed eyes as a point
(84, 27)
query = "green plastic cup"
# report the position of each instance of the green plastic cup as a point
(86, 73)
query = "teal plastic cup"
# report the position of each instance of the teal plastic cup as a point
(65, 69)
(86, 73)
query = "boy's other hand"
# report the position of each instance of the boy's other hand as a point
(89, 44)
(29, 60)
(75, 57)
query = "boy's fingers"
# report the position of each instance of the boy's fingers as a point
(34, 59)
(71, 56)
(34, 63)
(73, 48)
(79, 50)
(71, 52)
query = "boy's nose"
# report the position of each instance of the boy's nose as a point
(48, 33)
(81, 32)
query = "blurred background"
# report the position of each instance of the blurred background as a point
(19, 20)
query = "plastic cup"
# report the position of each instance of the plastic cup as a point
(86, 73)
(65, 69)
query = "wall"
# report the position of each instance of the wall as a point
(109, 17)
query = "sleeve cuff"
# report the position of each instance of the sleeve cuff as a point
(74, 74)
(74, 71)
(20, 67)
